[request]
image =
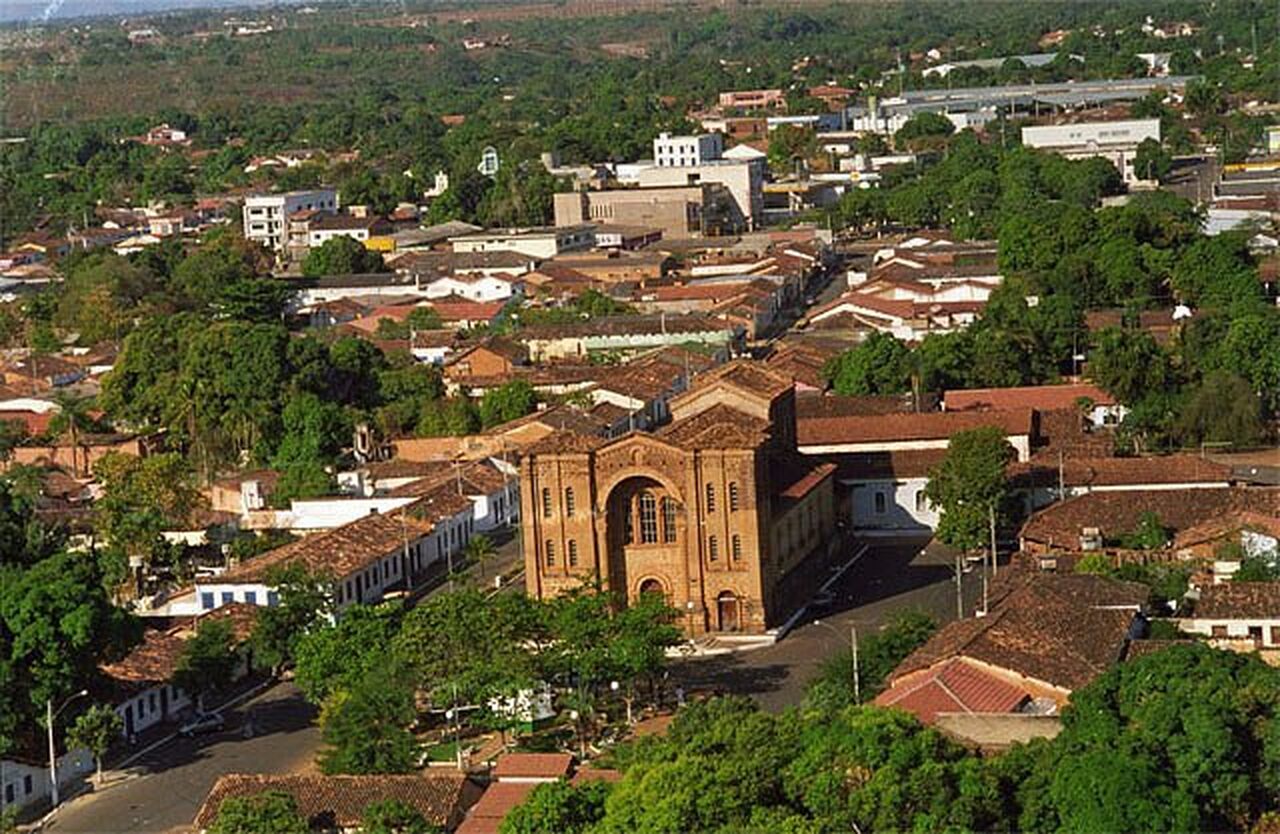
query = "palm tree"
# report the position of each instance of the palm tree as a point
(481, 549)
(74, 415)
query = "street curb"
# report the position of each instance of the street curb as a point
(85, 789)
(786, 627)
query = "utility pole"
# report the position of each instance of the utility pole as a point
(995, 562)
(857, 683)
(959, 587)
(1062, 479)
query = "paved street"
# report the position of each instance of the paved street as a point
(173, 780)
(890, 577)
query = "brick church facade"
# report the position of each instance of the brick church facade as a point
(716, 510)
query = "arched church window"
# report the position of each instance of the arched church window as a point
(648, 518)
(668, 520)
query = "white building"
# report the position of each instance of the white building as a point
(325, 228)
(266, 216)
(539, 242)
(684, 151)
(364, 559)
(474, 287)
(1116, 142)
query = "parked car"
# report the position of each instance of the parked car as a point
(207, 723)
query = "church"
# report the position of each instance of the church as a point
(716, 511)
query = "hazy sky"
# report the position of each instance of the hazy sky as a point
(36, 10)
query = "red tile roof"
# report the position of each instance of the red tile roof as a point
(1100, 472)
(486, 816)
(1239, 601)
(1060, 630)
(1117, 513)
(533, 766)
(337, 552)
(828, 431)
(955, 685)
(1041, 397)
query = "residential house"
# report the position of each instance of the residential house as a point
(37, 373)
(365, 559)
(1047, 478)
(140, 685)
(753, 99)
(616, 266)
(514, 776)
(430, 265)
(80, 459)
(1233, 613)
(1042, 637)
(885, 458)
(475, 287)
(33, 413)
(533, 242)
(336, 804)
(496, 356)
(904, 319)
(433, 346)
(461, 314)
(362, 229)
(1097, 406)
(492, 486)
(626, 334)
(1092, 521)
(266, 216)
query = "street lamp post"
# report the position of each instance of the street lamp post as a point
(50, 715)
(853, 648)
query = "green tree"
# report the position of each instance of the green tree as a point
(449, 417)
(335, 656)
(1129, 365)
(480, 550)
(341, 255)
(878, 655)
(558, 808)
(208, 660)
(1256, 569)
(94, 730)
(507, 402)
(1152, 161)
(923, 130)
(56, 626)
(1222, 409)
(879, 365)
(365, 729)
(391, 816)
(969, 485)
(304, 600)
(75, 415)
(141, 498)
(463, 649)
(270, 812)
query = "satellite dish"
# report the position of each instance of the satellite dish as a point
(488, 161)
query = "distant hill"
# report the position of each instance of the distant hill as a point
(36, 10)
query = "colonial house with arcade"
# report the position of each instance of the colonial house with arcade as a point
(716, 510)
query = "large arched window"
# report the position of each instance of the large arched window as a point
(648, 518)
(668, 520)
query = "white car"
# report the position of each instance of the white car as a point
(208, 723)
